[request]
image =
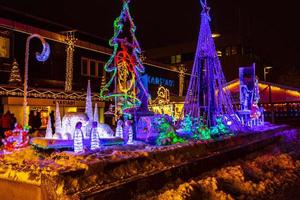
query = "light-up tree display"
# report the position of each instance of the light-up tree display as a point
(207, 95)
(124, 65)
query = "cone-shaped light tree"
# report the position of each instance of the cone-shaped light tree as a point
(96, 114)
(88, 102)
(207, 95)
(124, 65)
(58, 128)
(49, 133)
(15, 77)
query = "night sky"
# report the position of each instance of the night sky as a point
(272, 26)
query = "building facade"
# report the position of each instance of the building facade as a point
(63, 77)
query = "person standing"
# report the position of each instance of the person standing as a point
(6, 121)
(52, 120)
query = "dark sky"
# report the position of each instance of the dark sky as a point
(273, 26)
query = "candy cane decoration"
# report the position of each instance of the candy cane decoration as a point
(41, 57)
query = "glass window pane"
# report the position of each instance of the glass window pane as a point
(92, 68)
(100, 69)
(84, 67)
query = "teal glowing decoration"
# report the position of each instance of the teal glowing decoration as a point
(202, 131)
(187, 124)
(124, 65)
(220, 128)
(167, 135)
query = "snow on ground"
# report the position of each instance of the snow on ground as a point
(271, 174)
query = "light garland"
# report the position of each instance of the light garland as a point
(70, 39)
(181, 71)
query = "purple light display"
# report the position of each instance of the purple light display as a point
(207, 95)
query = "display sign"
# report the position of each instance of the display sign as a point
(155, 80)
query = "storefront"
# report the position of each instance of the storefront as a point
(44, 102)
(283, 100)
(166, 104)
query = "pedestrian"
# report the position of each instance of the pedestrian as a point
(13, 121)
(52, 121)
(6, 121)
(31, 121)
(1, 129)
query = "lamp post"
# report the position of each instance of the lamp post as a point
(41, 57)
(266, 71)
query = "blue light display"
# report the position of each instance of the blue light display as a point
(161, 81)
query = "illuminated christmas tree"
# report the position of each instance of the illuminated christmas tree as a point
(15, 77)
(124, 65)
(207, 95)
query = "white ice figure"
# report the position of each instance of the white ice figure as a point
(69, 122)
(78, 138)
(88, 102)
(95, 143)
(88, 110)
(128, 125)
(57, 120)
(96, 115)
(119, 129)
(105, 131)
(49, 133)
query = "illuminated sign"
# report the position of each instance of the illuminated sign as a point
(154, 80)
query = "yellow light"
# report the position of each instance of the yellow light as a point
(216, 35)
(232, 85)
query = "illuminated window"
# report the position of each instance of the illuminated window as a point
(176, 59)
(219, 53)
(227, 51)
(234, 50)
(91, 68)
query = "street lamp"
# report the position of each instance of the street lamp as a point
(266, 71)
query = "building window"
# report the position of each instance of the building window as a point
(84, 67)
(219, 53)
(228, 51)
(176, 59)
(91, 67)
(234, 50)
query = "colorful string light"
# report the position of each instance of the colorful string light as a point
(125, 66)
